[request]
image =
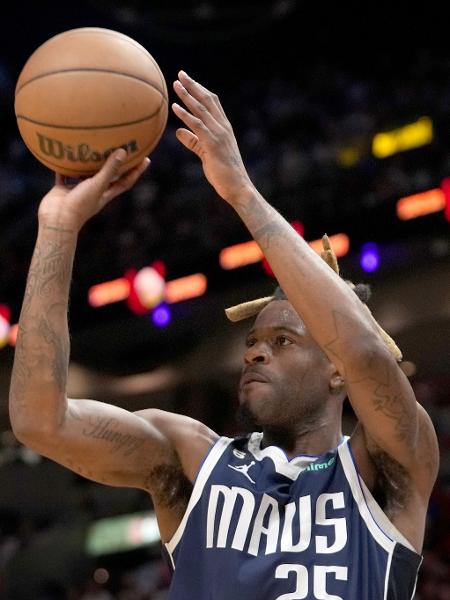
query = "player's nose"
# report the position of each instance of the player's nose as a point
(258, 353)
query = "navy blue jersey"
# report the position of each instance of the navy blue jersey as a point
(259, 526)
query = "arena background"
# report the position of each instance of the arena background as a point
(307, 87)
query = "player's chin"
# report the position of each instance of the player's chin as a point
(245, 418)
(249, 397)
(254, 392)
(256, 404)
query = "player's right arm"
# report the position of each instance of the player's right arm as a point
(111, 445)
(99, 441)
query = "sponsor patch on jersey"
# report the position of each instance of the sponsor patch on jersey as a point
(320, 466)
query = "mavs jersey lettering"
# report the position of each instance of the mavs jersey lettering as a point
(261, 527)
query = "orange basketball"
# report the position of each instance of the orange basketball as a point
(84, 93)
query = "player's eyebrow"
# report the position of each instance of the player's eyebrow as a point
(285, 328)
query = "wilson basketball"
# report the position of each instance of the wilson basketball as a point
(84, 93)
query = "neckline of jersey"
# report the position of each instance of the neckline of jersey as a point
(256, 438)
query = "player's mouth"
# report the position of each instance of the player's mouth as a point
(251, 377)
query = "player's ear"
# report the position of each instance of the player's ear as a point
(336, 381)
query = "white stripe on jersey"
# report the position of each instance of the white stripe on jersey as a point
(205, 471)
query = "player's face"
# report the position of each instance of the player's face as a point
(285, 378)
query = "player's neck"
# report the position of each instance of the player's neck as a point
(314, 440)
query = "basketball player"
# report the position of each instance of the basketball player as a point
(295, 510)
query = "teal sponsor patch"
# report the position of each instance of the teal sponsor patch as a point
(315, 466)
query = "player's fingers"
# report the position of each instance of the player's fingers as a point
(125, 182)
(197, 108)
(191, 121)
(110, 170)
(205, 96)
(189, 140)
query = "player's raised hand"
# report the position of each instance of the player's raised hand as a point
(209, 135)
(72, 205)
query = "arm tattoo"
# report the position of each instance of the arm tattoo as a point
(107, 429)
(59, 345)
(265, 225)
(265, 235)
(390, 402)
(344, 334)
(59, 229)
(50, 264)
(43, 342)
(56, 267)
(380, 377)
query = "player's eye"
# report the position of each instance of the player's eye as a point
(282, 340)
(249, 342)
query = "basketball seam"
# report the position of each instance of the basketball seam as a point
(111, 33)
(90, 70)
(104, 31)
(92, 127)
(127, 39)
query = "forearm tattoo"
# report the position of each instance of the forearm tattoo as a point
(266, 234)
(59, 347)
(43, 342)
(256, 218)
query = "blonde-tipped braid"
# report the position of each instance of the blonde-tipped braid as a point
(253, 307)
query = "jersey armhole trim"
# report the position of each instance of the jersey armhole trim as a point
(210, 461)
(377, 516)
(382, 520)
(352, 476)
